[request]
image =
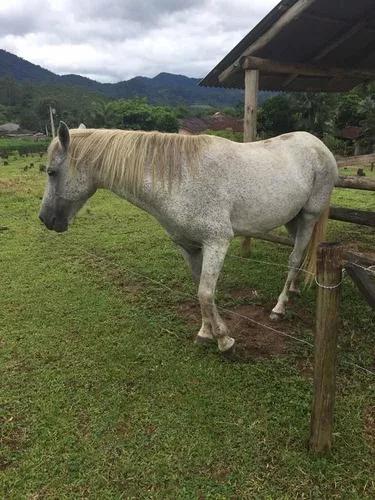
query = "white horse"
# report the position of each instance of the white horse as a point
(204, 190)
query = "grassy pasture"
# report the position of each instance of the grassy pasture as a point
(11, 146)
(104, 395)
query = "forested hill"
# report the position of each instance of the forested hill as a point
(164, 88)
(20, 69)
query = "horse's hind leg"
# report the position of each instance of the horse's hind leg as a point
(212, 324)
(292, 227)
(305, 227)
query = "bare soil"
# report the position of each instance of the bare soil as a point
(369, 422)
(253, 340)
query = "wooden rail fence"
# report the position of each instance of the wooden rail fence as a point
(356, 264)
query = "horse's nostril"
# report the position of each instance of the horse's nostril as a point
(41, 218)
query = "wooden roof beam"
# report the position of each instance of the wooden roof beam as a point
(270, 66)
(289, 16)
(344, 22)
(345, 35)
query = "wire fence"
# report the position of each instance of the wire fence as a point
(370, 269)
(189, 296)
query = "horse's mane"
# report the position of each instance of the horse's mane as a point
(121, 157)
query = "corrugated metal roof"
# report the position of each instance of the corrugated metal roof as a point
(306, 39)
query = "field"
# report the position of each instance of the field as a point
(22, 146)
(104, 395)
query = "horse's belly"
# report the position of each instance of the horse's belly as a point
(262, 215)
(252, 225)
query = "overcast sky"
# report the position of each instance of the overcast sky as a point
(113, 40)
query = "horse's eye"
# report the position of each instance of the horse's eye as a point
(51, 173)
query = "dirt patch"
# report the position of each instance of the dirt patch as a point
(8, 184)
(305, 368)
(123, 428)
(116, 276)
(244, 293)
(369, 422)
(252, 339)
(218, 473)
(285, 137)
(12, 441)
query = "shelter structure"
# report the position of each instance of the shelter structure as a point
(301, 45)
(311, 45)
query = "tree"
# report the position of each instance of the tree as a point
(4, 114)
(314, 111)
(348, 110)
(137, 114)
(277, 116)
(29, 119)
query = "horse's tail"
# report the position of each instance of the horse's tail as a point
(318, 235)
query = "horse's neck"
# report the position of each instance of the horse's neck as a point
(143, 198)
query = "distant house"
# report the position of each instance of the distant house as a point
(9, 128)
(351, 132)
(218, 121)
(362, 140)
(14, 130)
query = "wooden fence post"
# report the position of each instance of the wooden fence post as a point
(250, 127)
(329, 277)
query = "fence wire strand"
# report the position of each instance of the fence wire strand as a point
(228, 311)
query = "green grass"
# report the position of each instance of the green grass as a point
(10, 146)
(104, 394)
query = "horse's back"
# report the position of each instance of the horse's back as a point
(246, 188)
(266, 183)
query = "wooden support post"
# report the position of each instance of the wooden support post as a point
(329, 276)
(251, 98)
(250, 126)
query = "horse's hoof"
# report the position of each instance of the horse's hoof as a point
(204, 341)
(274, 316)
(230, 353)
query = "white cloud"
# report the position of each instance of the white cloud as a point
(114, 40)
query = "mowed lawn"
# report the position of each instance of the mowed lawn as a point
(104, 394)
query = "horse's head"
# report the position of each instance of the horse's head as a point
(67, 189)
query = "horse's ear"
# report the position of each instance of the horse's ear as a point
(82, 125)
(63, 135)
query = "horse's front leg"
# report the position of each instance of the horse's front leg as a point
(193, 258)
(213, 327)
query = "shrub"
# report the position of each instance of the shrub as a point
(22, 146)
(337, 146)
(226, 134)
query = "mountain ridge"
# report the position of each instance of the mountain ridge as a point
(164, 88)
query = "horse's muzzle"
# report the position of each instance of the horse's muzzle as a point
(54, 224)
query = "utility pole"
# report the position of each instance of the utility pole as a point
(52, 111)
